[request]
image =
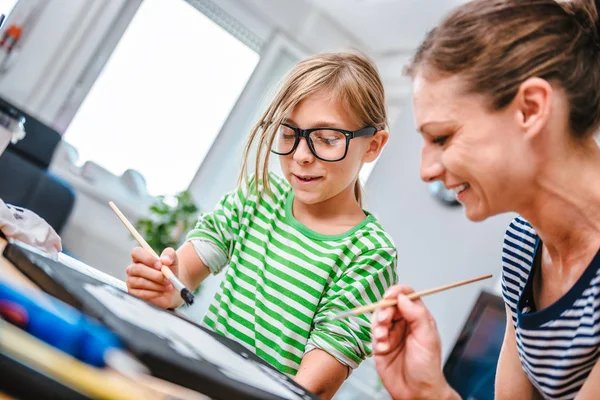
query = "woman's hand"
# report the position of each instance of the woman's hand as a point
(407, 350)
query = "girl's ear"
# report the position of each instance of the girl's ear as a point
(376, 144)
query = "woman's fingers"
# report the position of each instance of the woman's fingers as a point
(386, 316)
(418, 317)
(386, 340)
(388, 326)
(395, 290)
(381, 340)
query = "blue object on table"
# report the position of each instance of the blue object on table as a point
(57, 324)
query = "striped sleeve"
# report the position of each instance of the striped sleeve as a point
(517, 257)
(221, 226)
(364, 282)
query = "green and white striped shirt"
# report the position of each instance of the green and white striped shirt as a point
(284, 280)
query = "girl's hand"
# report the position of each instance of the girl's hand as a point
(146, 281)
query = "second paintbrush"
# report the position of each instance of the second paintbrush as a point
(411, 296)
(184, 292)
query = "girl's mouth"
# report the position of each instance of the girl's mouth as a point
(306, 179)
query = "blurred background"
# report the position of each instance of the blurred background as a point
(148, 103)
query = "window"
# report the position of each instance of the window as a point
(163, 96)
(6, 7)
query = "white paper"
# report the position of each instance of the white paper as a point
(76, 265)
(92, 272)
(190, 341)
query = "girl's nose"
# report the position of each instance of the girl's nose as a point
(303, 155)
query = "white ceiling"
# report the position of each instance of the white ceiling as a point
(388, 30)
(386, 26)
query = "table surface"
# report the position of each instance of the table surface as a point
(9, 273)
(97, 378)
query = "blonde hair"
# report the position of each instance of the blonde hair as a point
(349, 77)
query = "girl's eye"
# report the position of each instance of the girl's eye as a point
(441, 140)
(329, 141)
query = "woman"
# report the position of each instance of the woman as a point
(507, 99)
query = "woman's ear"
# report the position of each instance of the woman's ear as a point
(376, 144)
(533, 103)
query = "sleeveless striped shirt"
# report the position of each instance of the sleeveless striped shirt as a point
(559, 345)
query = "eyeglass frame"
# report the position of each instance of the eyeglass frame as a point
(304, 133)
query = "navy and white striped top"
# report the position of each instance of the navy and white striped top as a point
(559, 345)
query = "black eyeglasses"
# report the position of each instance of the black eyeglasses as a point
(327, 144)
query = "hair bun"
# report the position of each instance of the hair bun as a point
(587, 15)
(597, 6)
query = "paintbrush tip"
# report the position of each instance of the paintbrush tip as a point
(187, 296)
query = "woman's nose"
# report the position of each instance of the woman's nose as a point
(303, 155)
(431, 166)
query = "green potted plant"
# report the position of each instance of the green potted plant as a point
(170, 218)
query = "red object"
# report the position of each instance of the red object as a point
(13, 313)
(11, 36)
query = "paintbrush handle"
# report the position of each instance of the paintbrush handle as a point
(164, 269)
(415, 295)
(132, 230)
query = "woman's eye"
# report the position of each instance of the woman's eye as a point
(441, 140)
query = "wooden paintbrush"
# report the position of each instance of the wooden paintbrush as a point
(412, 296)
(185, 293)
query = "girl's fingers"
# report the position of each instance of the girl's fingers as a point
(141, 256)
(145, 294)
(142, 283)
(143, 271)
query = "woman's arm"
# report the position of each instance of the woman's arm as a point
(511, 380)
(321, 373)
(591, 387)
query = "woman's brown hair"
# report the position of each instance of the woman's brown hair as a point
(349, 77)
(497, 44)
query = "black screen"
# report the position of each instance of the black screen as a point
(471, 366)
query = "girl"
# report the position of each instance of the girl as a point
(507, 98)
(299, 248)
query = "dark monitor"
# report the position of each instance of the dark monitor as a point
(471, 366)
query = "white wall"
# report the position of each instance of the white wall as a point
(436, 244)
(93, 233)
(291, 30)
(62, 52)
(59, 40)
